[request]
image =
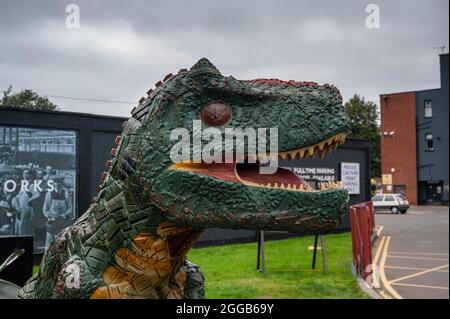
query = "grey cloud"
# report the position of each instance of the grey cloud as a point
(123, 47)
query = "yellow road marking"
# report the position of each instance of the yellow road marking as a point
(418, 273)
(384, 295)
(379, 249)
(420, 258)
(413, 253)
(383, 278)
(375, 282)
(420, 286)
(412, 268)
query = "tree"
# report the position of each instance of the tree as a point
(26, 99)
(363, 120)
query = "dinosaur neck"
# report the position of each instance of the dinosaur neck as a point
(150, 264)
(151, 267)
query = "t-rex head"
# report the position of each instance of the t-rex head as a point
(310, 121)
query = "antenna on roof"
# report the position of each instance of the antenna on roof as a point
(442, 47)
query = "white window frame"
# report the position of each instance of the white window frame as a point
(428, 109)
(429, 149)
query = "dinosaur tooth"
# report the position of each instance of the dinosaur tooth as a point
(321, 145)
(302, 153)
(316, 149)
(330, 149)
(321, 154)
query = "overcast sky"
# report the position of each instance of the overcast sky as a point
(123, 47)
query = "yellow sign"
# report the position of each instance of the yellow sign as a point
(386, 179)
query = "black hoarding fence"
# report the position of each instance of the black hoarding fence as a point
(50, 164)
(70, 149)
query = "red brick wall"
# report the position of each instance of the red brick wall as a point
(398, 114)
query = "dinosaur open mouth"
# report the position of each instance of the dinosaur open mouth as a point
(247, 171)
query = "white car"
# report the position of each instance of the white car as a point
(394, 202)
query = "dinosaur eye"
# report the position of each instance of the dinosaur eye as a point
(216, 114)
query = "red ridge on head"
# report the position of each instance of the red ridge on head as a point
(277, 82)
(168, 76)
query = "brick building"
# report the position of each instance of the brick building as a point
(414, 142)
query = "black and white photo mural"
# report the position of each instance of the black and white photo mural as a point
(37, 182)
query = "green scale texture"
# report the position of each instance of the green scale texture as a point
(140, 192)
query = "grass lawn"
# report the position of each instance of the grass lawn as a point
(230, 270)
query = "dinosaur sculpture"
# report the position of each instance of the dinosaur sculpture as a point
(133, 239)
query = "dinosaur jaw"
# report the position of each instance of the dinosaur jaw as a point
(248, 172)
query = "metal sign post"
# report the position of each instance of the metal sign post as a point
(324, 256)
(261, 258)
(261, 262)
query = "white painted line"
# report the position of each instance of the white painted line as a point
(385, 282)
(413, 253)
(412, 257)
(379, 230)
(418, 273)
(412, 268)
(420, 286)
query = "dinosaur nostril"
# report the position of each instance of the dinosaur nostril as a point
(216, 114)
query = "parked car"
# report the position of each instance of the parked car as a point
(394, 202)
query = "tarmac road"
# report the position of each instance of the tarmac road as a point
(412, 253)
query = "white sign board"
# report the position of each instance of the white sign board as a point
(350, 177)
(321, 174)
